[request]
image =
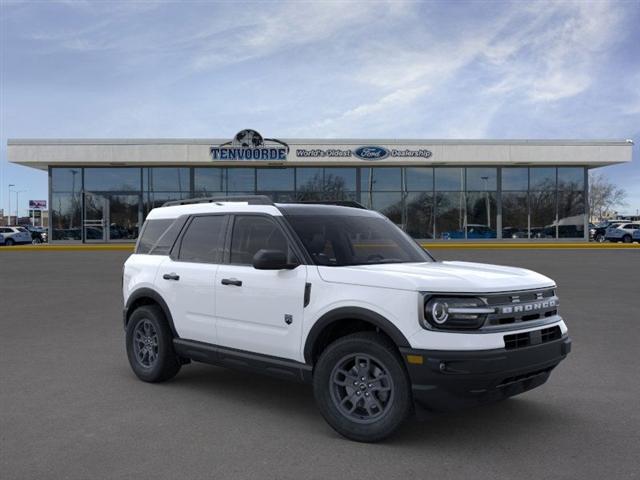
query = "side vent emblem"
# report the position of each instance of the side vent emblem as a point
(288, 318)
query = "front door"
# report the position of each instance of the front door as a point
(259, 310)
(111, 217)
(96, 208)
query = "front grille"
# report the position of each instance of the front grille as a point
(516, 307)
(536, 337)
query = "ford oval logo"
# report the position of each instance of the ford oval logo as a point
(371, 153)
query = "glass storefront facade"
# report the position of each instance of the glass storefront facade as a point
(104, 204)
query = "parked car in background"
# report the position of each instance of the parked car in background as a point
(636, 236)
(15, 235)
(473, 231)
(599, 231)
(38, 234)
(514, 232)
(622, 232)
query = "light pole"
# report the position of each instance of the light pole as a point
(18, 192)
(9, 210)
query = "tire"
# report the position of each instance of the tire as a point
(340, 392)
(599, 238)
(626, 239)
(150, 345)
(36, 241)
(9, 242)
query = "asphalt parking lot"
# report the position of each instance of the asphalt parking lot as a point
(71, 408)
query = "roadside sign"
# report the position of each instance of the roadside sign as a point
(38, 204)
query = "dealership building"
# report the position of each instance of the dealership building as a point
(101, 190)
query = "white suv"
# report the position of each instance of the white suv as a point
(338, 297)
(622, 232)
(15, 235)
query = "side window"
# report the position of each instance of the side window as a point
(203, 241)
(152, 231)
(252, 233)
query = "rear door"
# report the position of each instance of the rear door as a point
(259, 310)
(186, 279)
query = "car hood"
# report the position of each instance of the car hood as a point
(454, 277)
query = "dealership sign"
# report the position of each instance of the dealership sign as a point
(250, 145)
(38, 204)
(366, 152)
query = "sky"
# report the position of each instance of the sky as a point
(374, 69)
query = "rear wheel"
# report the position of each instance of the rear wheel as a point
(9, 242)
(626, 239)
(150, 345)
(362, 388)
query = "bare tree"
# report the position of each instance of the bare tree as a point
(604, 196)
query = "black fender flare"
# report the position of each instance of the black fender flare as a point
(352, 313)
(157, 298)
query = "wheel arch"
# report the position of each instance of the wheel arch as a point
(147, 296)
(328, 322)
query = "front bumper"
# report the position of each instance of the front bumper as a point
(447, 380)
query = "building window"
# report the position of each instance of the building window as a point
(449, 179)
(166, 179)
(275, 179)
(66, 216)
(340, 183)
(112, 179)
(571, 214)
(515, 215)
(209, 181)
(450, 215)
(542, 214)
(66, 179)
(571, 178)
(542, 178)
(515, 179)
(241, 180)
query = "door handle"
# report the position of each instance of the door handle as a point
(171, 276)
(231, 281)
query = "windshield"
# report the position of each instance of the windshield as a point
(343, 240)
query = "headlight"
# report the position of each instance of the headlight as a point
(455, 313)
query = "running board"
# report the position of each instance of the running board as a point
(242, 360)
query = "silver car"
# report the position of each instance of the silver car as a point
(622, 232)
(15, 235)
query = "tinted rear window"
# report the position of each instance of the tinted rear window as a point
(203, 241)
(153, 230)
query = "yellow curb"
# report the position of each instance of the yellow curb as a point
(49, 248)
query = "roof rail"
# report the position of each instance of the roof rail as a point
(249, 199)
(340, 203)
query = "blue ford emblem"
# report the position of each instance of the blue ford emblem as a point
(371, 153)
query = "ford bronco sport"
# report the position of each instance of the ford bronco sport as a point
(338, 297)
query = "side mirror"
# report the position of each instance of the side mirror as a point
(271, 260)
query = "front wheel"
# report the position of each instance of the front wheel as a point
(36, 241)
(9, 242)
(362, 388)
(150, 345)
(599, 238)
